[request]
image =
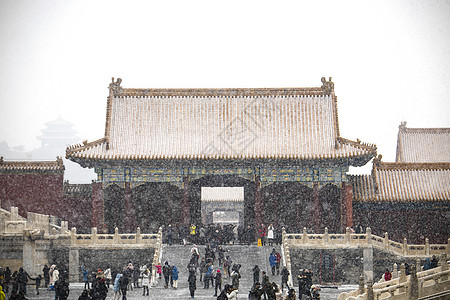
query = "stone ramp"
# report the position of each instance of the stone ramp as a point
(246, 256)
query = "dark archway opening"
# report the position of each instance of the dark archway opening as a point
(156, 204)
(288, 204)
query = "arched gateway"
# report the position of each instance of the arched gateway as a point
(281, 145)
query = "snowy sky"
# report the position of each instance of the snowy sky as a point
(390, 60)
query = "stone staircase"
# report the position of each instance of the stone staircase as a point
(246, 256)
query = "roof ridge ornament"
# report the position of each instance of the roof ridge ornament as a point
(327, 86)
(402, 126)
(115, 87)
(377, 160)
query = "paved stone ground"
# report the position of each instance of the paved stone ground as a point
(159, 292)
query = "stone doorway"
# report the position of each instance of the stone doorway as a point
(222, 205)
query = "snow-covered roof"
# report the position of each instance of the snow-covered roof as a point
(31, 166)
(280, 123)
(398, 182)
(423, 144)
(222, 194)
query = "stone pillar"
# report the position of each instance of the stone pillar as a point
(74, 262)
(259, 205)
(317, 214)
(368, 263)
(361, 289)
(370, 295)
(346, 206)
(30, 257)
(129, 222)
(413, 284)
(418, 265)
(97, 205)
(186, 206)
(402, 277)
(395, 271)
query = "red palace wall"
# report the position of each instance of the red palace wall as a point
(39, 193)
(78, 212)
(43, 193)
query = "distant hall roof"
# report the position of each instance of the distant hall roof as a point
(281, 123)
(400, 182)
(18, 167)
(423, 144)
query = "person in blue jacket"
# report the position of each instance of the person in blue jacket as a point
(273, 262)
(175, 277)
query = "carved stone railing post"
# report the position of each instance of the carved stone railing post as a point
(361, 289)
(116, 236)
(443, 262)
(326, 238)
(370, 295)
(402, 277)
(138, 236)
(347, 235)
(418, 265)
(386, 241)
(413, 290)
(405, 246)
(444, 265)
(395, 271)
(368, 235)
(427, 246)
(94, 235)
(305, 236)
(73, 236)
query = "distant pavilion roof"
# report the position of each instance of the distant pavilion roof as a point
(423, 144)
(241, 123)
(402, 182)
(31, 166)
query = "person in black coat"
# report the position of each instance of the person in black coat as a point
(84, 296)
(256, 271)
(284, 277)
(46, 271)
(62, 288)
(256, 292)
(192, 283)
(167, 271)
(100, 290)
(218, 282)
(123, 281)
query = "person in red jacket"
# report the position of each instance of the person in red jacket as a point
(262, 234)
(387, 275)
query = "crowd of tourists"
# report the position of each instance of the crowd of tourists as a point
(208, 267)
(222, 235)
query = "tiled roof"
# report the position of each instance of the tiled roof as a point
(363, 187)
(31, 166)
(397, 182)
(72, 190)
(423, 144)
(146, 124)
(222, 194)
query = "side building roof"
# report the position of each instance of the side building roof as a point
(25, 167)
(245, 123)
(423, 144)
(403, 182)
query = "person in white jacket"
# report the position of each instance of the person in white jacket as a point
(55, 275)
(233, 294)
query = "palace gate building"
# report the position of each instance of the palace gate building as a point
(281, 145)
